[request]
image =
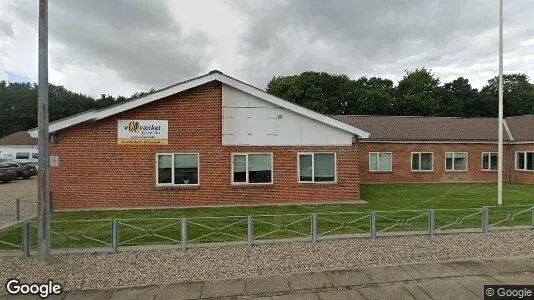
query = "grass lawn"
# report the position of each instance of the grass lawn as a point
(457, 206)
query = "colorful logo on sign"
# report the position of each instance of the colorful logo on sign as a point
(133, 127)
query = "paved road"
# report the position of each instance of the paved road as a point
(443, 280)
(26, 192)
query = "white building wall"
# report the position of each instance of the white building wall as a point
(248, 120)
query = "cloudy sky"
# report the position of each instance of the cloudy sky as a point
(119, 47)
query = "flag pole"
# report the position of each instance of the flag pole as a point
(500, 147)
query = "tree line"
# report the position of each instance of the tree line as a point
(18, 104)
(418, 93)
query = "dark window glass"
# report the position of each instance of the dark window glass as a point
(164, 169)
(324, 167)
(240, 168)
(259, 167)
(520, 160)
(426, 161)
(185, 169)
(530, 161)
(415, 161)
(305, 167)
(22, 155)
(494, 161)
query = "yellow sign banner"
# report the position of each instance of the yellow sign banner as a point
(142, 142)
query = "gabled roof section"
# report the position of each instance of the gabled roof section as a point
(521, 127)
(18, 138)
(94, 115)
(400, 128)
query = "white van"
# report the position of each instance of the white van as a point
(20, 155)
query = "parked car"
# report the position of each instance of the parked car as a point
(7, 172)
(24, 170)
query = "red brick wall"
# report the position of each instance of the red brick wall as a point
(95, 172)
(402, 163)
(522, 176)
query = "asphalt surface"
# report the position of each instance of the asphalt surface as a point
(26, 192)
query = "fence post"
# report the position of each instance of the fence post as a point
(115, 235)
(17, 210)
(431, 221)
(314, 228)
(26, 238)
(485, 220)
(373, 224)
(250, 230)
(183, 224)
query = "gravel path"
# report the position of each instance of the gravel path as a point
(89, 271)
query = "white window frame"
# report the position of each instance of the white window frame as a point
(524, 153)
(453, 155)
(378, 163)
(489, 161)
(411, 161)
(246, 169)
(172, 172)
(313, 167)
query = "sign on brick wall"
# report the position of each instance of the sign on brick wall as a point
(142, 132)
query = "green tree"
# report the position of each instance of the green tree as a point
(518, 95)
(321, 92)
(459, 99)
(418, 94)
(372, 96)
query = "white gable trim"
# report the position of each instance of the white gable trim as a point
(508, 132)
(106, 112)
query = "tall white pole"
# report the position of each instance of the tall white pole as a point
(500, 148)
(43, 176)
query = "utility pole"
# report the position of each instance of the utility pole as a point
(500, 147)
(43, 176)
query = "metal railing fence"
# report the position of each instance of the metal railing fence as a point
(112, 235)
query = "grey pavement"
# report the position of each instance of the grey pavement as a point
(432, 280)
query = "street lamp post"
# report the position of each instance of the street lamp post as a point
(500, 147)
(43, 176)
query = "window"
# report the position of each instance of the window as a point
(422, 161)
(524, 161)
(456, 161)
(490, 161)
(22, 155)
(380, 161)
(35, 155)
(252, 168)
(317, 167)
(177, 169)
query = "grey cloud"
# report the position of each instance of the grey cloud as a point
(140, 40)
(368, 37)
(6, 29)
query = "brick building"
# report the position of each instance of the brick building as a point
(216, 140)
(443, 149)
(208, 140)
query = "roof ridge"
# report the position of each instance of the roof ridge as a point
(415, 117)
